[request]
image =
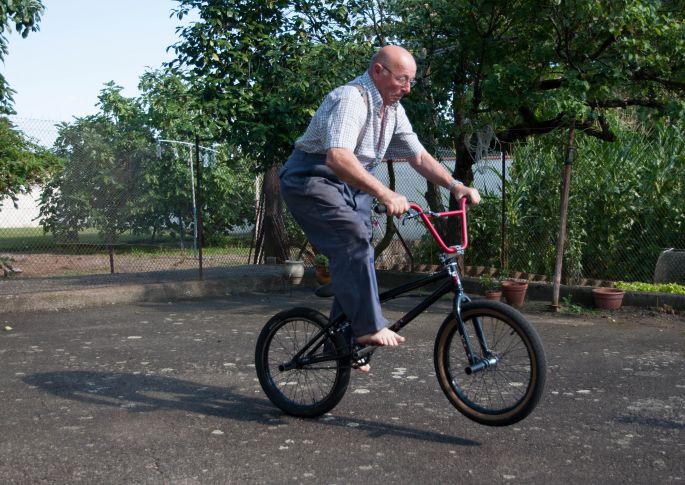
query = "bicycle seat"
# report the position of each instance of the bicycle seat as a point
(325, 291)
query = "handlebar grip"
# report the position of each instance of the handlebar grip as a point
(380, 209)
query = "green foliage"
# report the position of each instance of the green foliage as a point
(106, 155)
(627, 203)
(114, 181)
(261, 68)
(22, 163)
(568, 306)
(229, 194)
(25, 15)
(426, 251)
(490, 283)
(253, 62)
(529, 68)
(322, 260)
(672, 288)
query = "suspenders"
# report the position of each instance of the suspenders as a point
(365, 94)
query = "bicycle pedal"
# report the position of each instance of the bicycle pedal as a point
(361, 355)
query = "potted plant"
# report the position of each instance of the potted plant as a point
(514, 290)
(608, 298)
(293, 270)
(321, 269)
(491, 284)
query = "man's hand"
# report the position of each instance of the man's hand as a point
(395, 204)
(470, 193)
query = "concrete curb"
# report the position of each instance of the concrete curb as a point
(122, 293)
(268, 280)
(539, 291)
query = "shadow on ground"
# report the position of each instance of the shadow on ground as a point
(140, 394)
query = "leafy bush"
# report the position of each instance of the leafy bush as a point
(627, 203)
(673, 288)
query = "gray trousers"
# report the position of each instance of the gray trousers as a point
(337, 220)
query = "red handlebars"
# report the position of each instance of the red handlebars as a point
(460, 212)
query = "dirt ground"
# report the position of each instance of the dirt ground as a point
(42, 265)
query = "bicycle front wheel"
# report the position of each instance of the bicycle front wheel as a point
(300, 389)
(505, 378)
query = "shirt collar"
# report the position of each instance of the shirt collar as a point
(366, 81)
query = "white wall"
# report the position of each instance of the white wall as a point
(25, 215)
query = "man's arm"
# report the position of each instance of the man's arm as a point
(432, 170)
(347, 167)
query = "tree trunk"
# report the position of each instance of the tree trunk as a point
(563, 214)
(274, 241)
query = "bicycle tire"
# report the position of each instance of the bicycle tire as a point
(309, 391)
(501, 394)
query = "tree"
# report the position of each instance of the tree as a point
(22, 162)
(522, 67)
(252, 61)
(528, 68)
(170, 105)
(25, 15)
(102, 180)
(115, 179)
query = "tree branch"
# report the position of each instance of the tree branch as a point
(669, 83)
(624, 103)
(604, 133)
(531, 126)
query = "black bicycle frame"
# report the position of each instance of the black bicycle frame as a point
(452, 283)
(450, 273)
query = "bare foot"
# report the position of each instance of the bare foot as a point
(366, 368)
(383, 337)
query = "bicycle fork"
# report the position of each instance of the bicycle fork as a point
(476, 363)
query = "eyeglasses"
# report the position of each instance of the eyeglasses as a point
(401, 79)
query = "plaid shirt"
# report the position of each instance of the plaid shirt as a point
(342, 121)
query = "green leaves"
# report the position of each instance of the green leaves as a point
(254, 61)
(25, 15)
(22, 163)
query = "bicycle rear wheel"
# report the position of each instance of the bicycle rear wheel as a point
(301, 390)
(512, 378)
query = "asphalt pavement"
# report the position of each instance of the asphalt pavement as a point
(165, 391)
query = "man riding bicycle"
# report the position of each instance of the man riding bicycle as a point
(329, 186)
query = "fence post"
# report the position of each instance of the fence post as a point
(504, 257)
(563, 215)
(198, 168)
(110, 250)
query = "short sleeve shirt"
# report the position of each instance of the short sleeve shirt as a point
(343, 121)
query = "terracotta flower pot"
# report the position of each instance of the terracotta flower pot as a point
(495, 295)
(321, 274)
(608, 298)
(514, 291)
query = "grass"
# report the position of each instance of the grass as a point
(24, 238)
(32, 239)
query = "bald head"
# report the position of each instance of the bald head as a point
(392, 70)
(393, 56)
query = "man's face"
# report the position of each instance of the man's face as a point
(394, 80)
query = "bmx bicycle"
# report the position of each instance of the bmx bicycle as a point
(489, 360)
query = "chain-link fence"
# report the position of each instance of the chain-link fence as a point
(123, 202)
(618, 227)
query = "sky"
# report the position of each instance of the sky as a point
(58, 72)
